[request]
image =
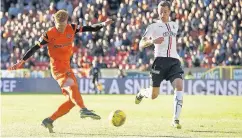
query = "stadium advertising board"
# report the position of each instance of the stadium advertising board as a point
(210, 75)
(237, 74)
(125, 86)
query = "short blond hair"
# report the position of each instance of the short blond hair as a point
(165, 3)
(61, 16)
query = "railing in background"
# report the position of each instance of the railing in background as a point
(222, 72)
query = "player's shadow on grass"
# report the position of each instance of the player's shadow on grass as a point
(211, 131)
(109, 135)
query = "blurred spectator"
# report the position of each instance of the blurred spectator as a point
(78, 12)
(117, 42)
(98, 50)
(210, 32)
(132, 58)
(62, 4)
(4, 17)
(36, 72)
(52, 8)
(13, 10)
(126, 41)
(123, 9)
(101, 64)
(102, 16)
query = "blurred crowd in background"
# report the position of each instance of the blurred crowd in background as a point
(210, 32)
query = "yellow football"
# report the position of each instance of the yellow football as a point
(117, 118)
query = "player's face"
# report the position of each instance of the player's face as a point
(164, 12)
(60, 25)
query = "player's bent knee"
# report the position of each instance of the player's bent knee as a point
(70, 96)
(179, 87)
(68, 82)
(178, 84)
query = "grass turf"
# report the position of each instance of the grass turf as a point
(202, 116)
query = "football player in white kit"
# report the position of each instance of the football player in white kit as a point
(166, 65)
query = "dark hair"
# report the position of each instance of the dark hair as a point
(165, 3)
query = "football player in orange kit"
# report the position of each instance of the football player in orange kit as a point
(59, 40)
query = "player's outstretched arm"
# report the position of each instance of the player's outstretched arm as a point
(28, 54)
(94, 27)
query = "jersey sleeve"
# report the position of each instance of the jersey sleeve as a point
(76, 28)
(148, 32)
(43, 40)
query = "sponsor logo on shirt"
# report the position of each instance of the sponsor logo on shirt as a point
(155, 71)
(169, 33)
(62, 45)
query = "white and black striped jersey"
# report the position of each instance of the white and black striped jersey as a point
(168, 31)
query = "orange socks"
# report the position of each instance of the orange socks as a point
(75, 97)
(63, 109)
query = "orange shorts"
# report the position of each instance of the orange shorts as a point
(61, 72)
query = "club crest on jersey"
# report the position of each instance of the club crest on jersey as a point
(68, 73)
(68, 36)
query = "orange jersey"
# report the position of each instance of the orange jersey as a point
(60, 49)
(60, 45)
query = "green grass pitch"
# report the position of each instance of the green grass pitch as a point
(202, 116)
